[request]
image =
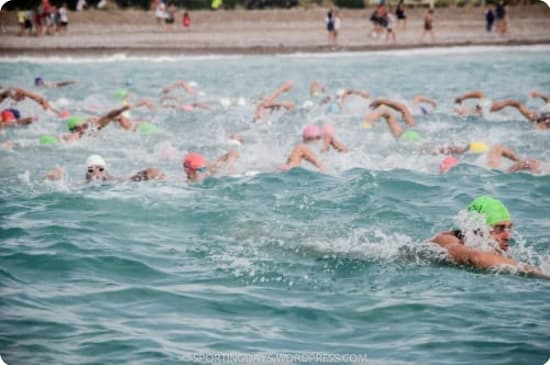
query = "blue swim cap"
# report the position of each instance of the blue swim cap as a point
(38, 81)
(334, 108)
(15, 113)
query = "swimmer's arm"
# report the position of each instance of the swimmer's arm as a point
(35, 97)
(282, 89)
(470, 95)
(454, 150)
(56, 174)
(181, 84)
(26, 121)
(54, 85)
(536, 94)
(310, 157)
(395, 105)
(338, 146)
(149, 104)
(104, 120)
(425, 99)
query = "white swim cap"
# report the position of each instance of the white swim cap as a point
(340, 92)
(95, 160)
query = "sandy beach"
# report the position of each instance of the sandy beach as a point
(134, 32)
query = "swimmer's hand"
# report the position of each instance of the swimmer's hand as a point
(56, 174)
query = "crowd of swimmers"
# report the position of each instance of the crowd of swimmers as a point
(401, 118)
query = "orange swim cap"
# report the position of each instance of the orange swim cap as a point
(194, 161)
(7, 116)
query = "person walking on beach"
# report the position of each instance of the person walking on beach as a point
(329, 20)
(63, 19)
(489, 18)
(390, 27)
(497, 222)
(186, 21)
(401, 15)
(428, 26)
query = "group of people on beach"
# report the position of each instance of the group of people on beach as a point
(165, 15)
(44, 19)
(316, 140)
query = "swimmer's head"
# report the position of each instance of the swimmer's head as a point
(497, 218)
(194, 164)
(74, 123)
(311, 132)
(447, 164)
(38, 81)
(340, 92)
(48, 139)
(478, 147)
(121, 93)
(327, 130)
(96, 169)
(7, 116)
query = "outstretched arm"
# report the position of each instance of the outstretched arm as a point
(536, 94)
(348, 93)
(183, 84)
(286, 86)
(424, 99)
(497, 152)
(470, 95)
(104, 120)
(528, 114)
(400, 107)
(20, 94)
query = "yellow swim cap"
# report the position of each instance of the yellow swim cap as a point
(366, 125)
(478, 147)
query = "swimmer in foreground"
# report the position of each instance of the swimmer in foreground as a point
(197, 168)
(97, 171)
(395, 129)
(310, 136)
(499, 223)
(270, 103)
(39, 82)
(330, 141)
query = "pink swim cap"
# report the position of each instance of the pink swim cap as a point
(7, 116)
(187, 107)
(447, 164)
(194, 161)
(311, 132)
(327, 130)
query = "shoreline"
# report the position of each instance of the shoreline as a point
(247, 51)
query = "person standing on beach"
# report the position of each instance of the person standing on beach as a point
(329, 20)
(489, 18)
(337, 25)
(170, 17)
(390, 25)
(401, 16)
(63, 18)
(502, 17)
(159, 13)
(186, 21)
(428, 26)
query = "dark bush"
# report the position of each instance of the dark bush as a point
(351, 4)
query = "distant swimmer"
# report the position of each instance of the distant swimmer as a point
(39, 82)
(18, 94)
(316, 89)
(343, 95)
(397, 106)
(270, 103)
(197, 168)
(483, 106)
(96, 171)
(187, 86)
(495, 154)
(499, 223)
(398, 133)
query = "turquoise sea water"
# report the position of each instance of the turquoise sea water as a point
(265, 262)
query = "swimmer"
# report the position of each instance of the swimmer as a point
(78, 127)
(346, 93)
(494, 158)
(541, 119)
(96, 171)
(270, 103)
(310, 135)
(182, 104)
(12, 117)
(421, 102)
(180, 84)
(483, 107)
(18, 94)
(499, 223)
(395, 129)
(397, 106)
(197, 168)
(39, 82)
(316, 89)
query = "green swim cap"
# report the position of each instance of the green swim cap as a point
(74, 121)
(48, 139)
(493, 209)
(147, 128)
(410, 135)
(121, 93)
